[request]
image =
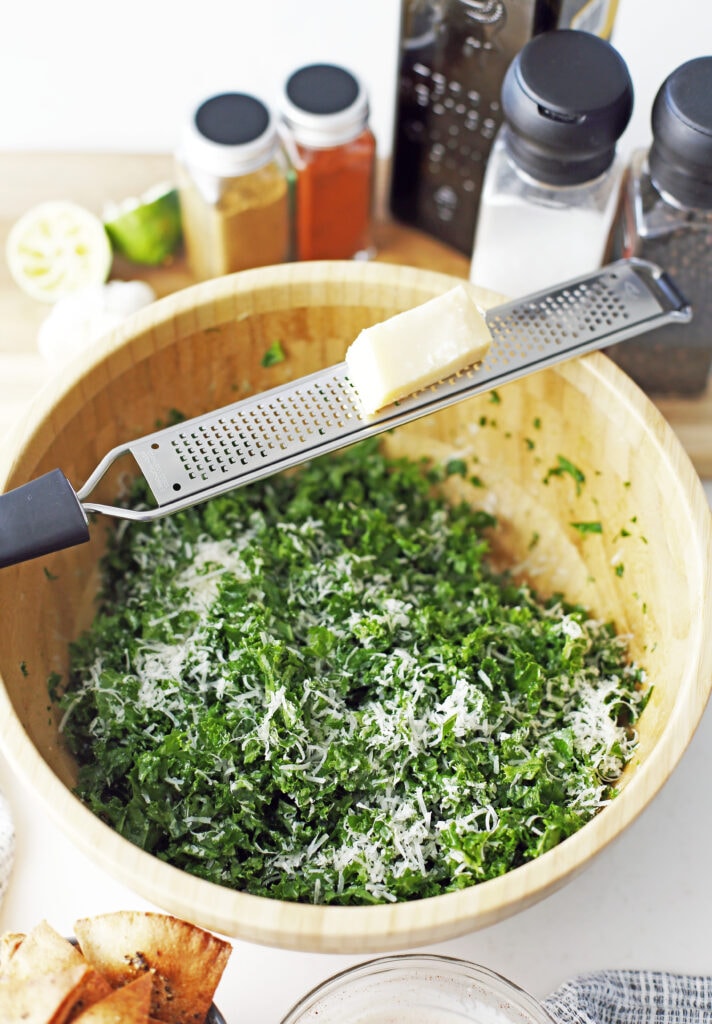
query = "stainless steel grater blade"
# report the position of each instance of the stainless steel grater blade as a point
(277, 429)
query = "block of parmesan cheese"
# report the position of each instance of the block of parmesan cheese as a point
(416, 348)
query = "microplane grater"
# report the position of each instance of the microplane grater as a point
(258, 436)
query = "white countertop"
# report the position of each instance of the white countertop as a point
(646, 902)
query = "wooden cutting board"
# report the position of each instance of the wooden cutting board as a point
(93, 179)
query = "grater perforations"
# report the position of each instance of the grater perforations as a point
(565, 316)
(277, 429)
(242, 436)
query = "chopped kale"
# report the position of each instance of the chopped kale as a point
(588, 527)
(456, 467)
(273, 355)
(565, 466)
(315, 689)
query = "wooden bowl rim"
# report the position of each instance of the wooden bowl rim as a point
(388, 926)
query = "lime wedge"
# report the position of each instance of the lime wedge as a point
(56, 248)
(148, 229)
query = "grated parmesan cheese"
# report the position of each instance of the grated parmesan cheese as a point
(319, 691)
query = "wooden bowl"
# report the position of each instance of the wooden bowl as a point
(202, 348)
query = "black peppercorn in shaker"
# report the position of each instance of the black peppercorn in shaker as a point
(665, 215)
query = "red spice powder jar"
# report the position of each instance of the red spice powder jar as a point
(325, 114)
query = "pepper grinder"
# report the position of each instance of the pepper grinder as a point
(665, 215)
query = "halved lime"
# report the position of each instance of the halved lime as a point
(146, 229)
(56, 248)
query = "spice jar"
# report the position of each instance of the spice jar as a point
(233, 186)
(552, 182)
(665, 216)
(325, 112)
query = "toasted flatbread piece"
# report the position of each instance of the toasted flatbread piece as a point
(187, 961)
(9, 942)
(45, 999)
(127, 1005)
(44, 951)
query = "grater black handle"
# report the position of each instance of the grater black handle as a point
(41, 516)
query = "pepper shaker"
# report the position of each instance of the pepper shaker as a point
(325, 112)
(233, 187)
(665, 215)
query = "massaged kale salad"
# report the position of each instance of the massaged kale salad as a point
(316, 689)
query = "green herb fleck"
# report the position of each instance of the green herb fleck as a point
(495, 397)
(23, 669)
(48, 574)
(529, 443)
(565, 466)
(537, 423)
(174, 416)
(620, 569)
(590, 527)
(273, 355)
(456, 467)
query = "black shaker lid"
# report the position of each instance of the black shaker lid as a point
(567, 98)
(681, 154)
(322, 89)
(230, 134)
(232, 119)
(324, 105)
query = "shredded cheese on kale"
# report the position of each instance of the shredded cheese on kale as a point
(315, 689)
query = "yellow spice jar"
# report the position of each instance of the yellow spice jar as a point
(233, 185)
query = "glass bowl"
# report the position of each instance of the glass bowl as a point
(417, 989)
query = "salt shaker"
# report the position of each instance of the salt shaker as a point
(233, 185)
(325, 113)
(553, 178)
(665, 216)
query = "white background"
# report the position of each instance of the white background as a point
(87, 74)
(84, 74)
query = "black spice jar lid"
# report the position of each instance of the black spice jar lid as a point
(567, 98)
(232, 133)
(680, 157)
(324, 105)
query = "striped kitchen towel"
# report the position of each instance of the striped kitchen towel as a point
(632, 997)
